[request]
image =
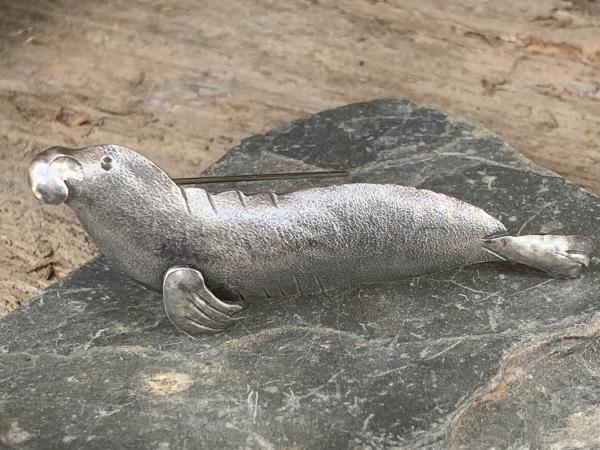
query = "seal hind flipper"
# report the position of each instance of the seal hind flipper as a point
(563, 256)
(190, 305)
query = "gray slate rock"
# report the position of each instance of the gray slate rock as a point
(480, 356)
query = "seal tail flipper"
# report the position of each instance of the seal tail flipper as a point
(564, 256)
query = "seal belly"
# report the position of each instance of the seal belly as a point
(269, 245)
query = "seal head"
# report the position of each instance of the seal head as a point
(129, 206)
(64, 175)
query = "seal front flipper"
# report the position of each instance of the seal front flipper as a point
(190, 305)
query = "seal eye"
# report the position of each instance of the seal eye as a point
(106, 162)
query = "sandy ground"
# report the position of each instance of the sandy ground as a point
(184, 81)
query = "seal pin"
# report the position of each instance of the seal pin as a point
(210, 254)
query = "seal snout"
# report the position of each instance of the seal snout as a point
(49, 172)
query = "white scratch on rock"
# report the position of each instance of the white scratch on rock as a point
(387, 372)
(466, 287)
(533, 217)
(447, 349)
(366, 422)
(252, 401)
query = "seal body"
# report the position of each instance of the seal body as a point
(270, 245)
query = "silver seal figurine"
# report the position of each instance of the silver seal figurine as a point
(212, 254)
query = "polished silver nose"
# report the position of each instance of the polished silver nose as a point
(48, 172)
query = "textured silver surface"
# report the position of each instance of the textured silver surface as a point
(268, 245)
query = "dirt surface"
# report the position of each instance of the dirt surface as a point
(183, 82)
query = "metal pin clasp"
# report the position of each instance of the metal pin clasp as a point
(261, 177)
